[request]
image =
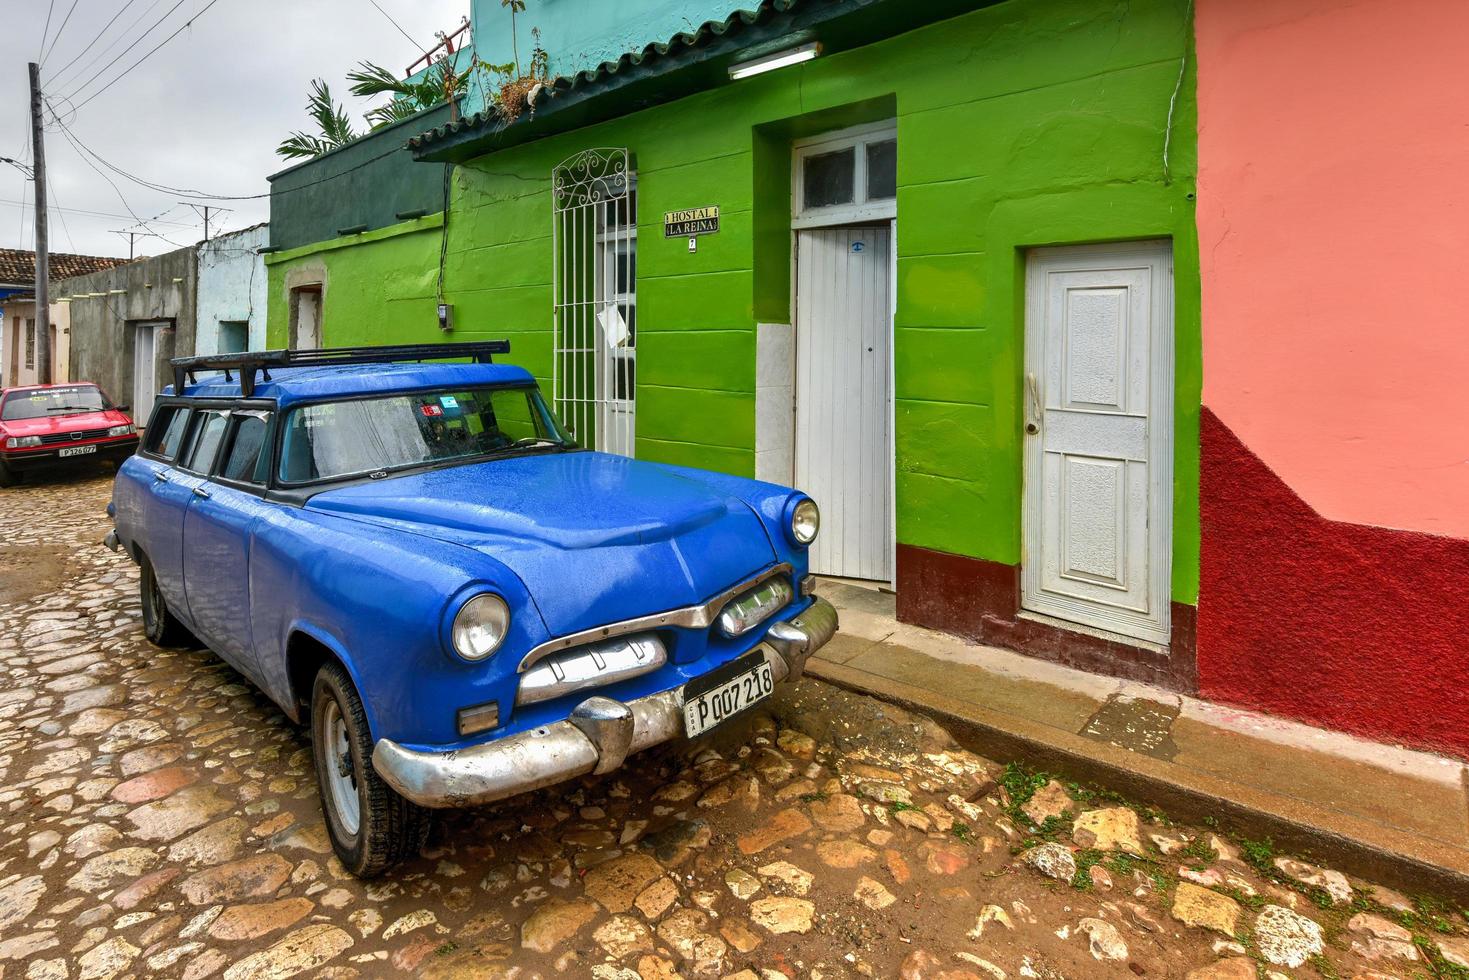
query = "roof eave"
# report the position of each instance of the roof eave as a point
(689, 63)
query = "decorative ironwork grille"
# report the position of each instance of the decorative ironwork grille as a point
(594, 240)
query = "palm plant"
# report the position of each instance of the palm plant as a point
(440, 83)
(331, 119)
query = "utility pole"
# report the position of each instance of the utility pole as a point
(132, 235)
(43, 257)
(204, 209)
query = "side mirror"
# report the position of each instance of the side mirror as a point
(122, 408)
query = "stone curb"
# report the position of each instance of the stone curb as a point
(1377, 853)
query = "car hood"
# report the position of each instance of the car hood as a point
(595, 538)
(60, 424)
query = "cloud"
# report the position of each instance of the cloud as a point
(206, 111)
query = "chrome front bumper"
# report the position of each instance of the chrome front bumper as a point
(596, 738)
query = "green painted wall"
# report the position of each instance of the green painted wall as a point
(378, 287)
(1032, 122)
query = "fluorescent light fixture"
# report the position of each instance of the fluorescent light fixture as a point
(770, 62)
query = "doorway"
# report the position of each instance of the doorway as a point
(1098, 392)
(844, 214)
(843, 449)
(145, 367)
(306, 317)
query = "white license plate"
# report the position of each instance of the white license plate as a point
(728, 697)
(76, 450)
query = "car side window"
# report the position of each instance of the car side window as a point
(166, 433)
(208, 434)
(242, 461)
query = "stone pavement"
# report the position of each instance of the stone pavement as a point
(1385, 810)
(158, 818)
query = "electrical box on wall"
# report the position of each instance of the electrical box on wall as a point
(446, 317)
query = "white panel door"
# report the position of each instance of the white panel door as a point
(1098, 443)
(844, 325)
(145, 380)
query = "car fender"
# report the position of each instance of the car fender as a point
(377, 597)
(338, 649)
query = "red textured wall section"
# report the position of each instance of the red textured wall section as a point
(1359, 628)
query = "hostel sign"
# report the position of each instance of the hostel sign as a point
(691, 222)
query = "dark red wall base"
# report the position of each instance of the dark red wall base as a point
(980, 600)
(1364, 629)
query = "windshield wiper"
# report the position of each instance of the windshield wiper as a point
(72, 408)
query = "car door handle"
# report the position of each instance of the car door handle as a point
(201, 492)
(160, 477)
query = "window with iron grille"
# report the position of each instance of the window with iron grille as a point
(595, 293)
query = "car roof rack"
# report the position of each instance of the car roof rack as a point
(247, 363)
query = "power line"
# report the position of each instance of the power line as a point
(56, 76)
(61, 212)
(201, 195)
(136, 41)
(389, 16)
(126, 206)
(117, 78)
(100, 214)
(45, 30)
(64, 21)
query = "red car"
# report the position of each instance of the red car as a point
(55, 425)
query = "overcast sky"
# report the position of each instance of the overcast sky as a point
(205, 111)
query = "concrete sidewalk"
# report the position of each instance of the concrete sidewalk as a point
(1381, 811)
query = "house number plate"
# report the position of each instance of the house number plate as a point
(721, 694)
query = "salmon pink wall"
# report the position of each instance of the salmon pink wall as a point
(1333, 214)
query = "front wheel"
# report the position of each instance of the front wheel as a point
(161, 626)
(8, 477)
(371, 826)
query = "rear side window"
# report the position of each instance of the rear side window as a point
(166, 432)
(244, 460)
(208, 434)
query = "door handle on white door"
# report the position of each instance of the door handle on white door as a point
(1033, 424)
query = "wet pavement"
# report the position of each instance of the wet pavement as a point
(159, 818)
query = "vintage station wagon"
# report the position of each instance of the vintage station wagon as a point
(418, 559)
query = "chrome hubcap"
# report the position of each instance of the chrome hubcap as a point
(341, 776)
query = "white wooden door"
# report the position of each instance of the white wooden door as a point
(1099, 436)
(145, 380)
(844, 325)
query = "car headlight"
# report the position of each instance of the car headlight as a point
(480, 626)
(805, 521)
(22, 442)
(120, 430)
(748, 610)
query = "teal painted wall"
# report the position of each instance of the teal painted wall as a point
(1032, 122)
(578, 34)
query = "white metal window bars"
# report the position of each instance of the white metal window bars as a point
(594, 241)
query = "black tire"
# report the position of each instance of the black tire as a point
(8, 477)
(389, 829)
(161, 626)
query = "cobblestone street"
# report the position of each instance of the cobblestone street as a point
(160, 818)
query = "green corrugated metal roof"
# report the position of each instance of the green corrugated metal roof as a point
(687, 62)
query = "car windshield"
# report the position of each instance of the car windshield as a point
(49, 402)
(367, 435)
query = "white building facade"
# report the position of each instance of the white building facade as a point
(232, 292)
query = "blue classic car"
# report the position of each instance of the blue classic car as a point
(416, 559)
